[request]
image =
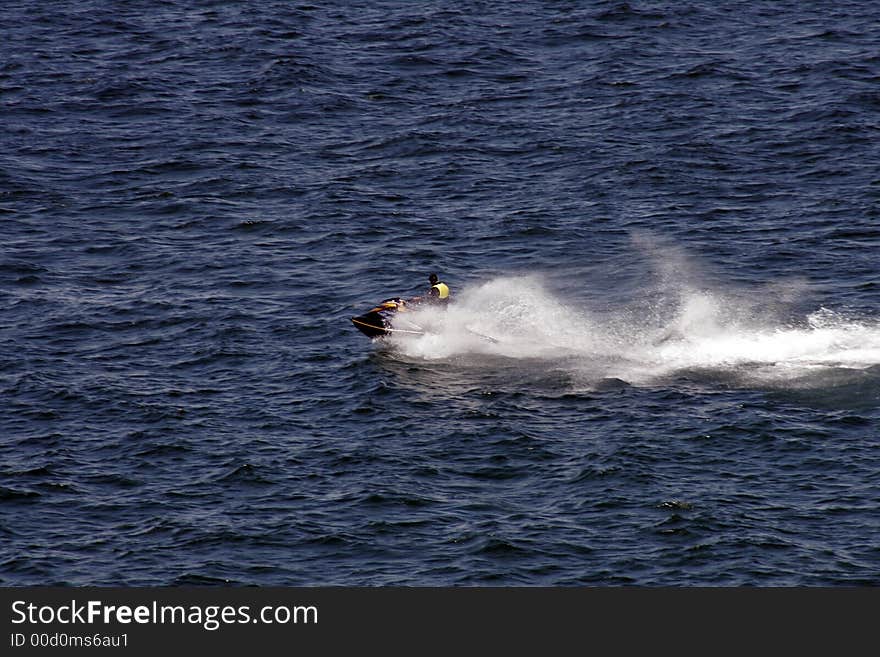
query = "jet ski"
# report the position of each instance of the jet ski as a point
(383, 320)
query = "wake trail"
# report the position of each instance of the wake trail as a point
(694, 329)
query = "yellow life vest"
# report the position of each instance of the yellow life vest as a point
(442, 290)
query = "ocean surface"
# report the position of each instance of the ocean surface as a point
(660, 223)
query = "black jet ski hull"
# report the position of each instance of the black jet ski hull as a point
(377, 323)
(371, 324)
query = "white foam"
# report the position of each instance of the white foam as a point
(512, 317)
(518, 318)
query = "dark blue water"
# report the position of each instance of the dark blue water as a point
(664, 214)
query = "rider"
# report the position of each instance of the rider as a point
(439, 292)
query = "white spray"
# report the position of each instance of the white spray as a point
(697, 329)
